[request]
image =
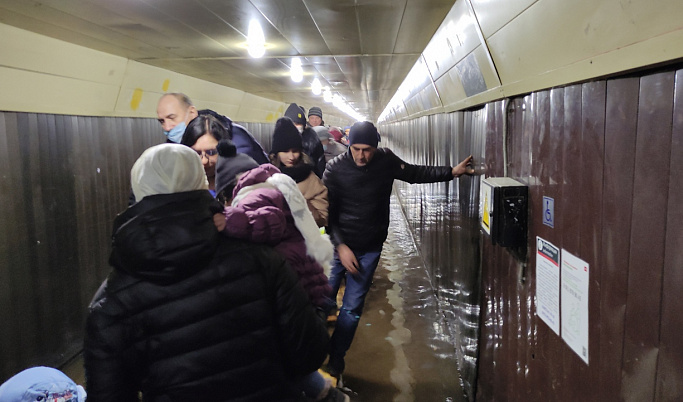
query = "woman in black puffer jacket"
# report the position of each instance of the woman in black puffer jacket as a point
(187, 314)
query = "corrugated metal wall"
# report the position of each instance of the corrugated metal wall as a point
(443, 218)
(64, 179)
(610, 153)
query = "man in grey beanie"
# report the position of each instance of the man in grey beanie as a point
(359, 185)
(315, 117)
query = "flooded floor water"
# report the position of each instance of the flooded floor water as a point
(402, 351)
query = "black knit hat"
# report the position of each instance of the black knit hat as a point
(296, 113)
(364, 132)
(315, 111)
(285, 136)
(229, 165)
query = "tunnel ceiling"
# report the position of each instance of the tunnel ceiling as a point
(362, 49)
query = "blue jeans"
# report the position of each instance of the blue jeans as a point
(357, 287)
(312, 384)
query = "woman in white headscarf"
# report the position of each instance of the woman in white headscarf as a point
(188, 314)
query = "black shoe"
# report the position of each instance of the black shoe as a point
(335, 395)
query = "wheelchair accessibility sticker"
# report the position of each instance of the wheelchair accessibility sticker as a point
(549, 212)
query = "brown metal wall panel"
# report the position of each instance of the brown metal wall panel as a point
(492, 164)
(590, 167)
(653, 144)
(620, 145)
(669, 385)
(542, 340)
(56, 214)
(606, 152)
(551, 347)
(8, 349)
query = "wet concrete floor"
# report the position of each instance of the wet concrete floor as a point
(402, 351)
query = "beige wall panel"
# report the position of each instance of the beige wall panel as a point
(45, 75)
(29, 91)
(450, 88)
(494, 14)
(555, 33)
(456, 38)
(476, 100)
(660, 49)
(257, 109)
(429, 99)
(417, 79)
(25, 50)
(487, 71)
(399, 112)
(413, 105)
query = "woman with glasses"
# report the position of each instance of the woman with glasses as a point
(202, 135)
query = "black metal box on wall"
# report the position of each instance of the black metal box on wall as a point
(504, 211)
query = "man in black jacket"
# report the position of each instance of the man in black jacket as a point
(359, 184)
(188, 314)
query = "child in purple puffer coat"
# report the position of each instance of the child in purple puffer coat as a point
(263, 205)
(269, 208)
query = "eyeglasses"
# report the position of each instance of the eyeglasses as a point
(210, 152)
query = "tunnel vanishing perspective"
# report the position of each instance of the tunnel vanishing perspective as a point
(578, 101)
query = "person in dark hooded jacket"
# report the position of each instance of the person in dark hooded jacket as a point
(311, 143)
(188, 314)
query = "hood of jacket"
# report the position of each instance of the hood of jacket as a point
(167, 237)
(255, 176)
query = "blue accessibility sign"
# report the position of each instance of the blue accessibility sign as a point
(549, 212)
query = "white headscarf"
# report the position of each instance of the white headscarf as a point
(167, 169)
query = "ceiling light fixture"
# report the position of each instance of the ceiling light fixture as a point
(256, 42)
(316, 86)
(296, 72)
(340, 103)
(327, 95)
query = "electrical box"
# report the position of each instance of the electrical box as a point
(504, 211)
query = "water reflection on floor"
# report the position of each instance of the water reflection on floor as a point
(402, 351)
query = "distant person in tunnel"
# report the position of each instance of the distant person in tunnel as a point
(331, 147)
(188, 314)
(175, 111)
(359, 186)
(315, 117)
(311, 144)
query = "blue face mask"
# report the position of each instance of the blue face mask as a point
(176, 133)
(324, 147)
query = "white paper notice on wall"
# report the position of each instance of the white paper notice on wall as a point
(548, 283)
(574, 301)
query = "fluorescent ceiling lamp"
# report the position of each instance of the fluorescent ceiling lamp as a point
(340, 103)
(316, 86)
(297, 73)
(256, 42)
(327, 95)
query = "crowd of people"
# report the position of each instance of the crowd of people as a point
(228, 262)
